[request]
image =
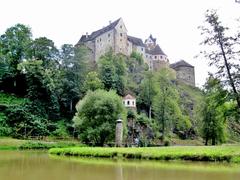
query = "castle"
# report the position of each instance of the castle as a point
(115, 37)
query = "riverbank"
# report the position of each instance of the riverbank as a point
(16, 144)
(225, 153)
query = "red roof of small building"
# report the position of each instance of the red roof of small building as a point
(128, 96)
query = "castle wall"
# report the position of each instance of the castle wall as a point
(120, 39)
(129, 48)
(186, 75)
(103, 44)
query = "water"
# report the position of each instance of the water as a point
(22, 165)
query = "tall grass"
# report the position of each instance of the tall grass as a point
(193, 153)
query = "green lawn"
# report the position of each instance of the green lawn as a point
(193, 153)
(10, 143)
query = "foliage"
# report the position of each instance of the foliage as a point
(96, 116)
(92, 82)
(112, 71)
(13, 50)
(75, 66)
(25, 122)
(61, 130)
(166, 104)
(222, 52)
(11, 100)
(138, 57)
(192, 106)
(148, 91)
(43, 49)
(214, 124)
(5, 130)
(192, 153)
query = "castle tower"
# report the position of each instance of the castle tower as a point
(185, 72)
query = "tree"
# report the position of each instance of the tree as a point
(223, 52)
(42, 86)
(43, 49)
(214, 123)
(75, 64)
(13, 49)
(92, 82)
(166, 104)
(112, 71)
(96, 116)
(148, 91)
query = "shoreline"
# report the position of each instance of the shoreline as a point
(227, 153)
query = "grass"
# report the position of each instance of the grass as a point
(192, 153)
(15, 144)
(10, 144)
(48, 145)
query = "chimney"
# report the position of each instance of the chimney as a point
(86, 34)
(110, 22)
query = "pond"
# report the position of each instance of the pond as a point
(27, 165)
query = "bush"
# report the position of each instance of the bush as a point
(96, 116)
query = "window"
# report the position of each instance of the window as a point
(100, 39)
(109, 35)
(121, 26)
(128, 102)
(121, 40)
(121, 34)
(155, 57)
(133, 103)
(120, 49)
(142, 49)
(146, 56)
(161, 57)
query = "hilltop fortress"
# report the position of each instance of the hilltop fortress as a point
(115, 37)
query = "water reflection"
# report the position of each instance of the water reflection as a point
(39, 166)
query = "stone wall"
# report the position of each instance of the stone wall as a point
(121, 39)
(186, 75)
(104, 43)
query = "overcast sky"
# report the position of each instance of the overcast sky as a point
(173, 22)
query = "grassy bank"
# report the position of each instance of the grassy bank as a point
(193, 153)
(14, 144)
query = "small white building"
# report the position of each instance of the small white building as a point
(129, 101)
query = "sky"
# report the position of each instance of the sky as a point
(173, 22)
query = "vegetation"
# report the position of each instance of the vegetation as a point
(198, 153)
(14, 144)
(40, 86)
(96, 116)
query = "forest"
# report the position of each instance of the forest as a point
(60, 92)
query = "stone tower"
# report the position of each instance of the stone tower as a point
(185, 72)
